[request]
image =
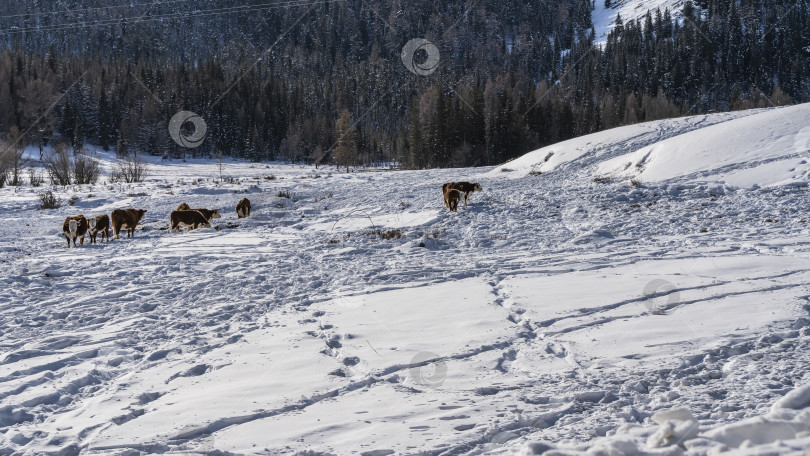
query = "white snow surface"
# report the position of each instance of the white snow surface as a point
(552, 313)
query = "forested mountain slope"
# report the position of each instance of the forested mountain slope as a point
(287, 80)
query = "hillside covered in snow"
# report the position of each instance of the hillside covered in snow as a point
(642, 290)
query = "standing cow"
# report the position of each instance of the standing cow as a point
(74, 227)
(127, 219)
(98, 224)
(464, 188)
(191, 219)
(451, 197)
(243, 208)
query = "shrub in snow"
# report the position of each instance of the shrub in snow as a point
(85, 169)
(58, 165)
(35, 178)
(130, 170)
(47, 200)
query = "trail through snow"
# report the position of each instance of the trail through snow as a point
(561, 308)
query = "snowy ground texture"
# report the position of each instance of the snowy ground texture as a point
(637, 291)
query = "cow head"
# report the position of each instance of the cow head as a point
(91, 222)
(215, 214)
(477, 187)
(140, 213)
(73, 226)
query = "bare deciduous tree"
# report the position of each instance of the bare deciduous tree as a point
(85, 169)
(58, 165)
(130, 169)
(345, 153)
(18, 163)
(5, 163)
(34, 177)
(12, 157)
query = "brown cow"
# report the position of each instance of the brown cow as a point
(191, 219)
(464, 187)
(127, 219)
(74, 227)
(451, 197)
(183, 207)
(243, 208)
(209, 214)
(98, 224)
(444, 191)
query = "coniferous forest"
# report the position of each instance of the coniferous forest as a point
(324, 82)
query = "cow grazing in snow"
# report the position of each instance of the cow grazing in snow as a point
(74, 227)
(243, 208)
(127, 219)
(98, 224)
(190, 219)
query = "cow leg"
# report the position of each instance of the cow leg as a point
(68, 240)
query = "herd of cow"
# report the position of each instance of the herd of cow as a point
(77, 226)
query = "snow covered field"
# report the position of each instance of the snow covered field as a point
(562, 308)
